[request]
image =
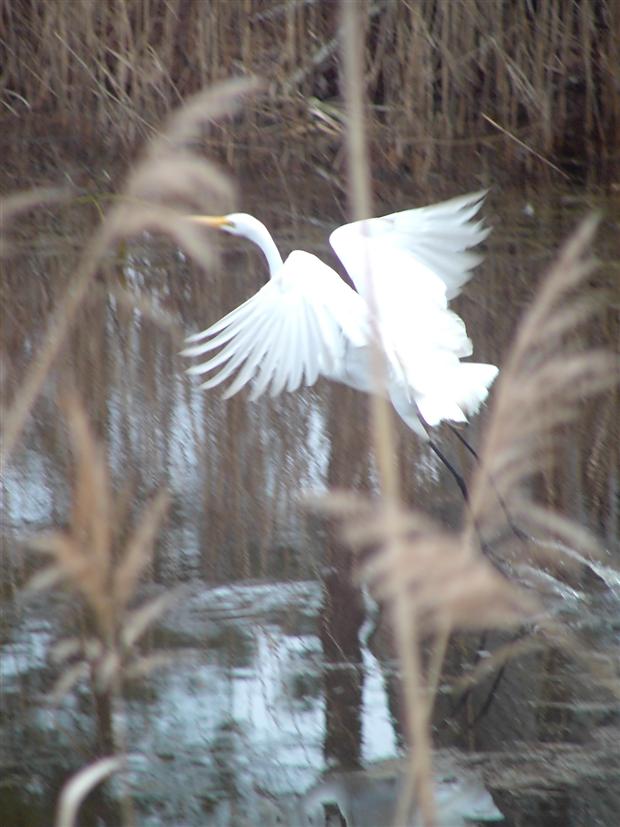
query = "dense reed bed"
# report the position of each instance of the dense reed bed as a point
(528, 85)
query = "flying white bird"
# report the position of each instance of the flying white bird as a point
(307, 322)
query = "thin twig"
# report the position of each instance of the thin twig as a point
(527, 148)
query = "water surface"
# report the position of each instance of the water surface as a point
(275, 706)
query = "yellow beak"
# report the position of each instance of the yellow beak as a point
(216, 221)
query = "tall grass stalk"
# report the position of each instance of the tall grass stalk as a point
(169, 182)
(435, 583)
(104, 573)
(417, 719)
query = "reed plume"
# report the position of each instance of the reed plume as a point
(102, 562)
(462, 581)
(539, 395)
(171, 180)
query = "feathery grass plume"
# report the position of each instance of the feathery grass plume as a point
(171, 181)
(431, 582)
(539, 393)
(447, 582)
(103, 567)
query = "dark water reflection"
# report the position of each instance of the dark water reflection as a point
(273, 681)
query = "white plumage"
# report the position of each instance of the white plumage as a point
(307, 322)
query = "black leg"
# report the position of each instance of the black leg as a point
(521, 535)
(457, 477)
(463, 489)
(490, 695)
(463, 441)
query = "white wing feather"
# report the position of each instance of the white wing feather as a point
(294, 328)
(415, 261)
(437, 239)
(306, 322)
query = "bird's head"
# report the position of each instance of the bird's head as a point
(246, 226)
(237, 223)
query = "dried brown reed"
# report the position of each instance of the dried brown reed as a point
(80, 785)
(406, 633)
(103, 562)
(539, 394)
(435, 582)
(171, 181)
(98, 555)
(545, 73)
(448, 582)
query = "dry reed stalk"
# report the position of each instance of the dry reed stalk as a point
(446, 581)
(432, 583)
(417, 717)
(524, 146)
(89, 556)
(103, 568)
(171, 181)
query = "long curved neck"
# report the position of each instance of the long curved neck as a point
(261, 236)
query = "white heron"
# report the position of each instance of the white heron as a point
(307, 322)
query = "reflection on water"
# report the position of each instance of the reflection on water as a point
(366, 799)
(241, 715)
(275, 703)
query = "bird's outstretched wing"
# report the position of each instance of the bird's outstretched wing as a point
(409, 264)
(293, 330)
(432, 241)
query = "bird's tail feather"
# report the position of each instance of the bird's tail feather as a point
(454, 400)
(473, 382)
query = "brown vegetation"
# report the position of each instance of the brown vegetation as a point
(434, 582)
(528, 84)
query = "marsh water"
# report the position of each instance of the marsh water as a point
(274, 705)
